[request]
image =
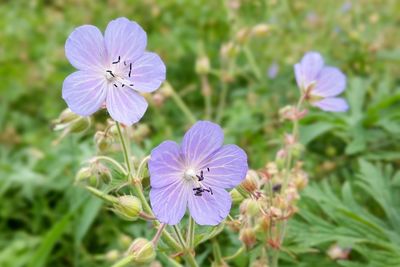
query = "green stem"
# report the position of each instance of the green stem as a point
(185, 109)
(236, 254)
(190, 234)
(222, 102)
(142, 167)
(190, 260)
(137, 188)
(102, 195)
(113, 161)
(288, 164)
(123, 262)
(253, 63)
(217, 252)
(126, 151)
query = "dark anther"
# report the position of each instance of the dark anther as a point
(131, 84)
(211, 191)
(124, 63)
(198, 194)
(115, 62)
(196, 188)
(277, 188)
(109, 71)
(208, 169)
(199, 177)
(130, 70)
(115, 85)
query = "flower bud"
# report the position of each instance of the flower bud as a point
(67, 116)
(336, 252)
(261, 30)
(242, 35)
(202, 65)
(263, 223)
(83, 174)
(101, 172)
(80, 125)
(142, 251)
(236, 196)
(229, 51)
(297, 149)
(102, 142)
(128, 207)
(248, 237)
(251, 183)
(249, 207)
(166, 89)
(112, 255)
(300, 179)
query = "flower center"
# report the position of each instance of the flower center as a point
(119, 73)
(198, 188)
(190, 175)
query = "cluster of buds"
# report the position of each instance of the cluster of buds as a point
(95, 174)
(69, 122)
(272, 193)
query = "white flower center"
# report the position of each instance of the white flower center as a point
(190, 174)
(119, 72)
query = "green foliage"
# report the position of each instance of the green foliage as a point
(353, 197)
(363, 216)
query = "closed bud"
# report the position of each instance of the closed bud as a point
(261, 30)
(101, 172)
(102, 141)
(300, 179)
(166, 89)
(249, 207)
(202, 65)
(297, 149)
(158, 99)
(251, 183)
(263, 223)
(112, 255)
(83, 174)
(142, 251)
(236, 196)
(229, 51)
(248, 237)
(128, 207)
(242, 35)
(80, 125)
(67, 116)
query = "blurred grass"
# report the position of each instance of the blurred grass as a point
(39, 204)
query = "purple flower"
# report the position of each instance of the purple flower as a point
(321, 84)
(273, 70)
(112, 70)
(195, 174)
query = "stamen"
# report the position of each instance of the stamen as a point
(116, 62)
(208, 169)
(130, 70)
(115, 85)
(211, 191)
(122, 85)
(109, 71)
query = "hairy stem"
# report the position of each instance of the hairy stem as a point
(190, 233)
(190, 260)
(113, 161)
(138, 190)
